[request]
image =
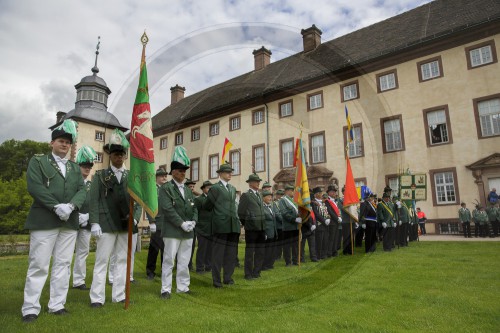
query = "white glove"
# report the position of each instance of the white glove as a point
(135, 222)
(340, 219)
(313, 227)
(186, 226)
(298, 219)
(152, 228)
(83, 219)
(64, 211)
(400, 222)
(265, 237)
(356, 225)
(96, 230)
(384, 225)
(398, 203)
(363, 226)
(327, 221)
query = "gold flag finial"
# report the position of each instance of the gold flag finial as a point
(144, 38)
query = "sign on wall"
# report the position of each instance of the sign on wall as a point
(413, 187)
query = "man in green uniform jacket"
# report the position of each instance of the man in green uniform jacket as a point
(465, 217)
(109, 215)
(291, 220)
(203, 231)
(385, 217)
(225, 227)
(179, 219)
(57, 188)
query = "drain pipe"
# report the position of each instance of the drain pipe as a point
(267, 141)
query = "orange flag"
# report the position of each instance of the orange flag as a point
(226, 148)
(350, 193)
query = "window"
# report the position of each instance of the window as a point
(99, 136)
(179, 139)
(437, 126)
(213, 166)
(487, 114)
(315, 101)
(392, 134)
(317, 150)
(444, 188)
(393, 182)
(235, 160)
(163, 143)
(195, 134)
(358, 182)
(259, 160)
(356, 147)
(195, 170)
(257, 117)
(214, 128)
(349, 91)
(286, 109)
(481, 54)
(234, 123)
(387, 81)
(430, 69)
(98, 158)
(286, 153)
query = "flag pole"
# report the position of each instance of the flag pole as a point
(300, 243)
(129, 253)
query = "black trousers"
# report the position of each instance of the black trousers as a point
(269, 253)
(388, 240)
(403, 234)
(311, 241)
(495, 225)
(321, 241)
(477, 227)
(413, 232)
(360, 233)
(422, 228)
(204, 254)
(332, 239)
(254, 252)
(346, 238)
(370, 236)
(279, 244)
(224, 253)
(155, 245)
(466, 227)
(290, 246)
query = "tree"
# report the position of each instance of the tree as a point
(15, 202)
(15, 156)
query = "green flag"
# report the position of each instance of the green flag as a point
(142, 179)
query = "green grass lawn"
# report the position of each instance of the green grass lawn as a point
(428, 287)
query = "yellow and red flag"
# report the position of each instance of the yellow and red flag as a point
(301, 195)
(226, 148)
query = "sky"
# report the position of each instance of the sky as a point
(49, 46)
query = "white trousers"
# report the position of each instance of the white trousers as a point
(108, 243)
(57, 243)
(81, 254)
(182, 249)
(112, 261)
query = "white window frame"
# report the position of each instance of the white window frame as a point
(214, 166)
(430, 70)
(481, 56)
(235, 123)
(99, 136)
(444, 185)
(286, 109)
(387, 81)
(163, 143)
(315, 101)
(258, 117)
(393, 183)
(434, 119)
(393, 135)
(489, 116)
(318, 148)
(99, 158)
(235, 157)
(287, 154)
(195, 169)
(350, 91)
(214, 129)
(195, 134)
(259, 162)
(356, 146)
(179, 138)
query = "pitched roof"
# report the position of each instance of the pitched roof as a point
(415, 28)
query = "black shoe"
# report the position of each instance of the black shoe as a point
(81, 287)
(151, 276)
(217, 285)
(314, 260)
(230, 282)
(30, 318)
(96, 305)
(208, 269)
(165, 295)
(61, 312)
(256, 276)
(189, 292)
(249, 277)
(134, 281)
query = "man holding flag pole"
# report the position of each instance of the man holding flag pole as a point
(141, 183)
(350, 195)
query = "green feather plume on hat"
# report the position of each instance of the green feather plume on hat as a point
(85, 154)
(69, 126)
(118, 138)
(180, 155)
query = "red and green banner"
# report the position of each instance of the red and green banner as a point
(141, 180)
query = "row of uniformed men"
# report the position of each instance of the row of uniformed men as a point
(482, 218)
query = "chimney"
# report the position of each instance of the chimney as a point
(177, 93)
(59, 116)
(262, 58)
(311, 38)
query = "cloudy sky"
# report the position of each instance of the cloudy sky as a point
(48, 46)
